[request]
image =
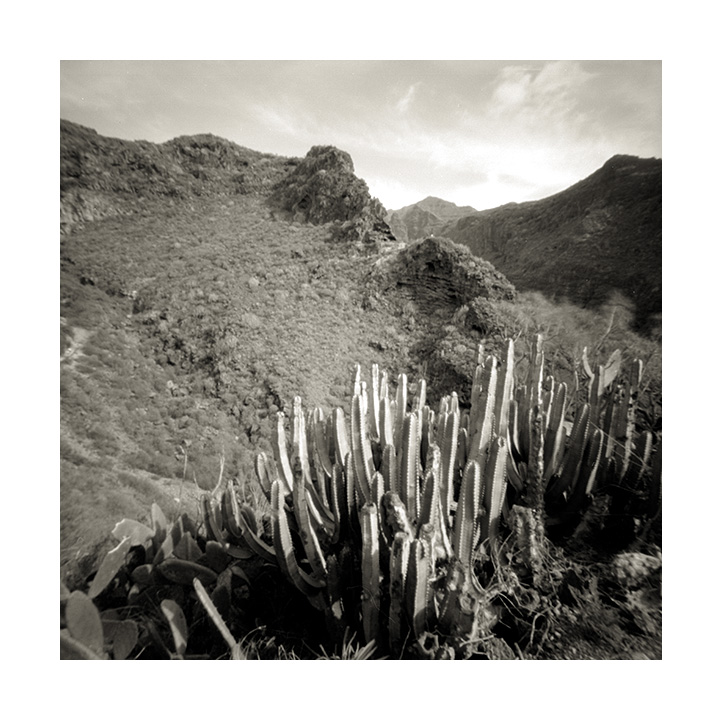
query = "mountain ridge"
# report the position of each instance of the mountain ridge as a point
(599, 236)
(103, 177)
(602, 234)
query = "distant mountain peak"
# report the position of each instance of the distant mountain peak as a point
(425, 217)
(439, 203)
(440, 207)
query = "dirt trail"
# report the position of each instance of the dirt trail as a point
(78, 337)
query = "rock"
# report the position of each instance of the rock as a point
(632, 569)
(497, 648)
(323, 188)
(439, 271)
(251, 321)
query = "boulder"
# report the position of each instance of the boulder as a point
(442, 272)
(323, 188)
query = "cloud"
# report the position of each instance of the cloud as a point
(512, 90)
(539, 100)
(402, 106)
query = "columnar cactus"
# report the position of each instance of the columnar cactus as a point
(392, 521)
(417, 498)
(419, 494)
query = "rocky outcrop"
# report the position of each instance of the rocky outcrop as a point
(323, 188)
(444, 272)
(431, 285)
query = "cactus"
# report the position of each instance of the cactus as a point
(504, 391)
(375, 404)
(607, 372)
(280, 452)
(449, 423)
(430, 494)
(393, 525)
(370, 573)
(554, 473)
(481, 419)
(654, 505)
(109, 568)
(283, 544)
(321, 445)
(183, 572)
(418, 584)
(235, 648)
(84, 636)
(340, 441)
(177, 622)
(400, 408)
(407, 463)
(467, 512)
(361, 452)
(251, 538)
(398, 571)
(266, 473)
(494, 493)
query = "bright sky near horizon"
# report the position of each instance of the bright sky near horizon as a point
(479, 133)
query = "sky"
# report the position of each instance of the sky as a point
(473, 132)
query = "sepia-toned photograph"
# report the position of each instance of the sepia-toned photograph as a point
(360, 359)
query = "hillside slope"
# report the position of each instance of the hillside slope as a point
(103, 177)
